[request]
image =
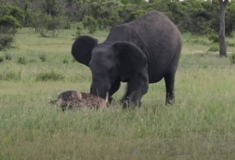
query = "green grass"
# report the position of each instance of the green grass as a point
(200, 125)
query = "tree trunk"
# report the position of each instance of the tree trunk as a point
(223, 47)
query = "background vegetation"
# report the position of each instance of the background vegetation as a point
(200, 125)
(47, 16)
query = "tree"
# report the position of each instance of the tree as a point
(9, 23)
(223, 47)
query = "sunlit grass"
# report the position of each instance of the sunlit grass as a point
(199, 125)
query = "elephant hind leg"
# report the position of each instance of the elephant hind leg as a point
(169, 82)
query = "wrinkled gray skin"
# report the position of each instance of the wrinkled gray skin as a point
(139, 52)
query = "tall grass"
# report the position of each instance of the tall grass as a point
(200, 125)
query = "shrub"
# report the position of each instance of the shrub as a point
(55, 26)
(10, 17)
(214, 47)
(65, 61)
(42, 57)
(10, 75)
(21, 60)
(196, 41)
(47, 25)
(8, 57)
(78, 33)
(49, 76)
(32, 60)
(90, 23)
(214, 38)
(230, 44)
(200, 42)
(232, 59)
(8, 20)
(6, 41)
(136, 14)
(1, 59)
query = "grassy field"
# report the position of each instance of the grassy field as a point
(200, 125)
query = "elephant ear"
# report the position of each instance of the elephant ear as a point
(82, 48)
(132, 59)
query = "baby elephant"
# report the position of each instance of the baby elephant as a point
(78, 99)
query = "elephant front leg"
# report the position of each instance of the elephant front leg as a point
(169, 81)
(115, 86)
(136, 88)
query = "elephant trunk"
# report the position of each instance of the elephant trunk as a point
(99, 90)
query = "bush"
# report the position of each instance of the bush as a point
(78, 33)
(42, 57)
(230, 44)
(90, 23)
(214, 38)
(136, 14)
(65, 61)
(49, 76)
(196, 41)
(232, 59)
(1, 59)
(10, 75)
(10, 18)
(6, 41)
(47, 25)
(55, 25)
(8, 57)
(21, 60)
(32, 60)
(214, 47)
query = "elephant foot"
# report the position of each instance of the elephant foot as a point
(127, 103)
(169, 101)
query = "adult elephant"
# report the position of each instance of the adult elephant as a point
(140, 52)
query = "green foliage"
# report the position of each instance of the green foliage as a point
(89, 23)
(1, 59)
(195, 16)
(42, 57)
(50, 76)
(232, 59)
(53, 8)
(55, 26)
(27, 12)
(8, 20)
(136, 14)
(47, 25)
(39, 22)
(8, 57)
(229, 44)
(10, 75)
(230, 18)
(21, 60)
(6, 41)
(214, 38)
(214, 47)
(114, 19)
(13, 11)
(126, 10)
(65, 61)
(78, 32)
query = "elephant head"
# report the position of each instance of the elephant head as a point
(111, 63)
